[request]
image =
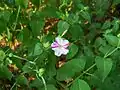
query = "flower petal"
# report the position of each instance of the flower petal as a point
(65, 43)
(59, 40)
(60, 46)
(64, 51)
(62, 41)
(60, 51)
(54, 45)
(57, 51)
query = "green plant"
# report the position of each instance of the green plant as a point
(84, 35)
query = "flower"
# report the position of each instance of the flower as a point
(60, 46)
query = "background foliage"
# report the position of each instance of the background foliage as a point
(27, 29)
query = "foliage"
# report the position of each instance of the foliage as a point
(29, 27)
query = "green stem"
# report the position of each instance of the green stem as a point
(63, 86)
(20, 58)
(64, 33)
(7, 51)
(106, 55)
(40, 2)
(15, 56)
(82, 74)
(43, 80)
(17, 18)
(92, 75)
(13, 86)
(85, 72)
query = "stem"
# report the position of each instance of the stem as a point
(7, 51)
(63, 86)
(13, 86)
(24, 59)
(85, 72)
(43, 80)
(106, 55)
(20, 58)
(92, 75)
(82, 74)
(40, 2)
(17, 18)
(64, 33)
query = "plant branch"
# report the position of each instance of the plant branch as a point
(82, 74)
(43, 80)
(17, 18)
(106, 55)
(63, 86)
(13, 86)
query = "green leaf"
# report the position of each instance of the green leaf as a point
(104, 66)
(9, 35)
(73, 18)
(5, 15)
(3, 26)
(23, 3)
(36, 83)
(17, 62)
(79, 5)
(22, 80)
(76, 31)
(37, 50)
(86, 16)
(106, 49)
(99, 41)
(28, 67)
(80, 85)
(69, 69)
(101, 7)
(36, 2)
(106, 25)
(50, 12)
(40, 62)
(116, 2)
(50, 68)
(115, 26)
(73, 49)
(112, 40)
(5, 73)
(37, 26)
(2, 55)
(20, 36)
(51, 87)
(62, 27)
(26, 36)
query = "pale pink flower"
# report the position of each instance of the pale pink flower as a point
(60, 46)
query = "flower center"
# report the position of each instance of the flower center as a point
(60, 46)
